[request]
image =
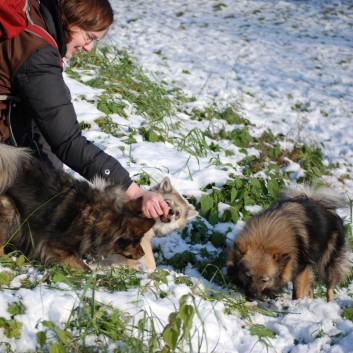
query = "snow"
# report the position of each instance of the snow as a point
(289, 65)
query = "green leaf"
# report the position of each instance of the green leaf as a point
(159, 276)
(231, 215)
(6, 278)
(102, 106)
(273, 187)
(233, 194)
(218, 239)
(261, 331)
(41, 338)
(64, 336)
(248, 201)
(152, 136)
(183, 280)
(213, 217)
(48, 324)
(170, 335)
(255, 183)
(348, 313)
(59, 276)
(206, 203)
(238, 182)
(12, 328)
(57, 348)
(20, 261)
(16, 308)
(187, 313)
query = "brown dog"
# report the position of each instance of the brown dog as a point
(56, 218)
(299, 239)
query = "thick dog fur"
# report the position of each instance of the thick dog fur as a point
(299, 239)
(56, 218)
(180, 213)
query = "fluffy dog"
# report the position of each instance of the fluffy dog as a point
(180, 213)
(299, 239)
(56, 218)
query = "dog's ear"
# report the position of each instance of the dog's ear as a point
(135, 205)
(281, 258)
(236, 252)
(165, 186)
(191, 213)
(138, 226)
(235, 265)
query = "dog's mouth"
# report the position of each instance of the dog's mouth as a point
(250, 298)
(167, 219)
(134, 256)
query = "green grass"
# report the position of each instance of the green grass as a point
(123, 80)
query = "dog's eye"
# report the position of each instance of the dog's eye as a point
(247, 275)
(177, 213)
(265, 279)
(123, 242)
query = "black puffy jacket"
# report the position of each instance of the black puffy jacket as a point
(30, 70)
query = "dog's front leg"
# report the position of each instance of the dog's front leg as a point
(9, 222)
(75, 262)
(329, 294)
(302, 284)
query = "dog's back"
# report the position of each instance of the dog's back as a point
(324, 196)
(324, 244)
(10, 164)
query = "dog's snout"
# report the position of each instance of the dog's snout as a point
(251, 295)
(171, 212)
(137, 254)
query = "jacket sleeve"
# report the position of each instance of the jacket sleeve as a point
(41, 86)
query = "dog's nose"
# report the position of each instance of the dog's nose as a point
(171, 212)
(250, 296)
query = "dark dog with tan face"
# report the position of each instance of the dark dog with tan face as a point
(299, 239)
(56, 218)
(180, 213)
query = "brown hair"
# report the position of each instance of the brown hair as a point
(89, 15)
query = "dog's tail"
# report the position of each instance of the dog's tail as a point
(10, 164)
(325, 196)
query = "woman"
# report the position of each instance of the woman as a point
(41, 115)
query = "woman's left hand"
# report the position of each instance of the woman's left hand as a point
(153, 204)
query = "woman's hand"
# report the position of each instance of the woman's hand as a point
(153, 205)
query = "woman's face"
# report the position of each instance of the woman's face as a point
(82, 40)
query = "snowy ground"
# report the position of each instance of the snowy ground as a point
(288, 65)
